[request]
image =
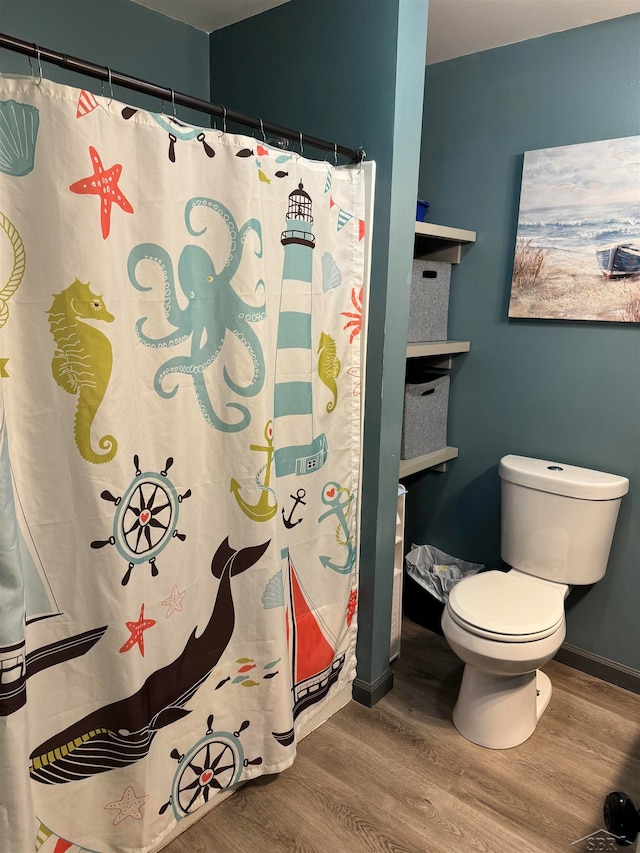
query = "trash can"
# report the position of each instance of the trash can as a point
(430, 576)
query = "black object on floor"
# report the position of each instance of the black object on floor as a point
(621, 818)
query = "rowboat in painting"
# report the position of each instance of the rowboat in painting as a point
(619, 259)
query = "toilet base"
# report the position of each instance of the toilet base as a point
(500, 711)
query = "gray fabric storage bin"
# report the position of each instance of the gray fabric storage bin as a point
(424, 426)
(429, 306)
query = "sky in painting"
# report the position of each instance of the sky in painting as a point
(590, 174)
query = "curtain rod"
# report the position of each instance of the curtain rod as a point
(100, 72)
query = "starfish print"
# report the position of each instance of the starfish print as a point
(129, 805)
(137, 629)
(103, 182)
(174, 601)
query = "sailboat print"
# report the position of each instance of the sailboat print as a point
(25, 597)
(314, 664)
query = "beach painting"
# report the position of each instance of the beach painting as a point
(577, 252)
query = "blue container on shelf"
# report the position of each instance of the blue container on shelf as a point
(421, 210)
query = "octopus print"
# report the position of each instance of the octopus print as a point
(213, 307)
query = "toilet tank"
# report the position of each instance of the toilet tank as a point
(557, 520)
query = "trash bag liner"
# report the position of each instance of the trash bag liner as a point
(436, 571)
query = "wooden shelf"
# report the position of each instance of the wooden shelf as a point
(444, 232)
(416, 350)
(429, 460)
(441, 243)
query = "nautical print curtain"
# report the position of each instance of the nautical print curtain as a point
(180, 313)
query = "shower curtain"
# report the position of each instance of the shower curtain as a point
(180, 350)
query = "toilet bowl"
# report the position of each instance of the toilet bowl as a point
(504, 627)
(557, 528)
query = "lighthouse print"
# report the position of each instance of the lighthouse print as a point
(299, 450)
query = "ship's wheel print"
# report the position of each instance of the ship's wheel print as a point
(145, 519)
(213, 764)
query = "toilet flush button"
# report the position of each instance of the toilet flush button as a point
(555, 468)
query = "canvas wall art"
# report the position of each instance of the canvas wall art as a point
(577, 252)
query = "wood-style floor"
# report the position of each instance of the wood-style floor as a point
(399, 778)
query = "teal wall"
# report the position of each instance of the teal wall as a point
(562, 390)
(118, 34)
(352, 71)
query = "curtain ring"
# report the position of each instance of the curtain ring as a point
(264, 138)
(110, 88)
(335, 153)
(301, 145)
(224, 119)
(37, 49)
(173, 102)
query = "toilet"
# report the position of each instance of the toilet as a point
(557, 524)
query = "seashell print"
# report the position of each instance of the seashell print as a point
(273, 595)
(331, 275)
(18, 132)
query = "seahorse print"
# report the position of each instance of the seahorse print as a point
(329, 367)
(82, 361)
(19, 264)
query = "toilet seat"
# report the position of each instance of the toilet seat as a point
(510, 607)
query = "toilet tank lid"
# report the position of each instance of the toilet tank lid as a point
(561, 479)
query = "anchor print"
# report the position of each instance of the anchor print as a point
(297, 498)
(333, 495)
(262, 510)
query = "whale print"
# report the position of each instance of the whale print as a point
(121, 733)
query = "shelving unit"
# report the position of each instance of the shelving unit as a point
(436, 460)
(437, 243)
(441, 243)
(429, 348)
